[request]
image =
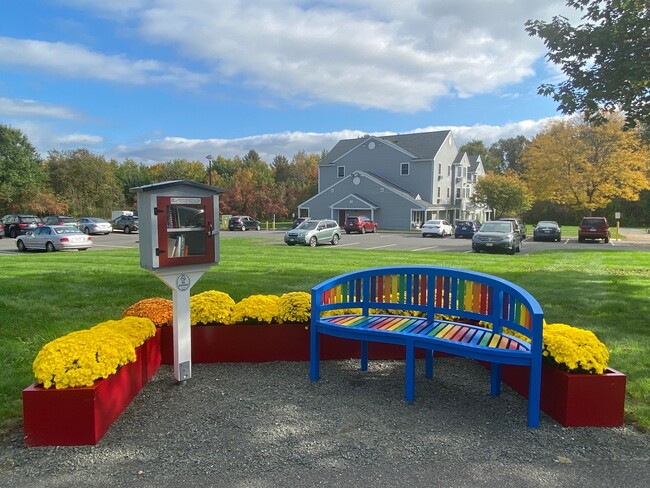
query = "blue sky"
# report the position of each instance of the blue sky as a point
(157, 80)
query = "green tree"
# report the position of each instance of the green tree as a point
(21, 171)
(87, 181)
(508, 152)
(178, 169)
(507, 194)
(605, 59)
(130, 175)
(475, 147)
(587, 166)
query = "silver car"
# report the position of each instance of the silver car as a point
(94, 225)
(54, 238)
(314, 232)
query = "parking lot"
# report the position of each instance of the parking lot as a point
(636, 239)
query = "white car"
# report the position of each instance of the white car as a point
(440, 228)
(54, 238)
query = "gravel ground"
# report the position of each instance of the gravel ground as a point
(265, 425)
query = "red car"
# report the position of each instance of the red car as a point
(593, 228)
(359, 224)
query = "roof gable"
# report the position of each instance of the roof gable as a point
(422, 145)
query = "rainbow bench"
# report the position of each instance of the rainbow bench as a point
(464, 313)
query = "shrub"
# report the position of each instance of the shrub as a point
(574, 350)
(256, 309)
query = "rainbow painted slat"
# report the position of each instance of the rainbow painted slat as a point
(445, 330)
(413, 289)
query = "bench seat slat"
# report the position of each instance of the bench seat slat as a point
(442, 330)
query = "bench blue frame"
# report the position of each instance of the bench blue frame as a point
(460, 312)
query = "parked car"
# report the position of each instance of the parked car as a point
(243, 222)
(466, 228)
(497, 235)
(20, 224)
(60, 220)
(2, 230)
(126, 223)
(298, 221)
(314, 232)
(438, 227)
(360, 224)
(54, 238)
(520, 225)
(593, 228)
(547, 230)
(94, 225)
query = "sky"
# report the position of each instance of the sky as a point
(158, 80)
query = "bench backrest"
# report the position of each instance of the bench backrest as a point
(434, 290)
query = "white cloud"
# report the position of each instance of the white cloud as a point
(74, 61)
(398, 56)
(31, 108)
(290, 143)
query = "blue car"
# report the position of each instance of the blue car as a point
(466, 228)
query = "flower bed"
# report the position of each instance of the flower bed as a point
(81, 415)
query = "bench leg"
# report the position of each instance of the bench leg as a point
(409, 394)
(428, 363)
(534, 393)
(314, 355)
(495, 379)
(364, 356)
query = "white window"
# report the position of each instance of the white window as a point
(449, 170)
(340, 170)
(404, 169)
(448, 192)
(459, 171)
(457, 192)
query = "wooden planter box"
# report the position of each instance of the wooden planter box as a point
(81, 416)
(262, 343)
(575, 400)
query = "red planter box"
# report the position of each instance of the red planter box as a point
(263, 343)
(575, 400)
(151, 357)
(81, 416)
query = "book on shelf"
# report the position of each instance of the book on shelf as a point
(179, 248)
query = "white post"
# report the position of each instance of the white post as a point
(181, 283)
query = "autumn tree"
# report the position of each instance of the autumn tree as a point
(586, 166)
(507, 194)
(22, 174)
(604, 58)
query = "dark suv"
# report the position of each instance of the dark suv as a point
(593, 228)
(60, 220)
(20, 224)
(359, 224)
(521, 227)
(243, 222)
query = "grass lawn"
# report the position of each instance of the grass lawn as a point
(44, 296)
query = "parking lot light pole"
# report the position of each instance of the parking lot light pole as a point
(209, 158)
